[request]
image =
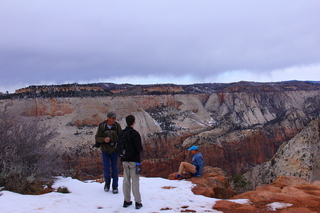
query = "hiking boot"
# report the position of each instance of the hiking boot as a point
(185, 176)
(115, 191)
(138, 205)
(178, 177)
(106, 187)
(126, 204)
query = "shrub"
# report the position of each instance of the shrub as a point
(241, 184)
(63, 190)
(26, 156)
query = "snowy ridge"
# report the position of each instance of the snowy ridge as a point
(89, 197)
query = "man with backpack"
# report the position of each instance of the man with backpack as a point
(129, 148)
(106, 137)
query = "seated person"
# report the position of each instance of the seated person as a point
(196, 165)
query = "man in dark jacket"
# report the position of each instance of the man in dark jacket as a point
(129, 166)
(107, 135)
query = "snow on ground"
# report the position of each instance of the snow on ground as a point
(276, 205)
(89, 197)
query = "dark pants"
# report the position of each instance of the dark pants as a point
(110, 161)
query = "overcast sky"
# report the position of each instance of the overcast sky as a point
(158, 41)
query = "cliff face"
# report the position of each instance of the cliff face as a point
(236, 127)
(298, 157)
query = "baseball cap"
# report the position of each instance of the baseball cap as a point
(193, 148)
(111, 115)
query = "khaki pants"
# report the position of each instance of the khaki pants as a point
(129, 173)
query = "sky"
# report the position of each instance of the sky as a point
(161, 41)
(89, 197)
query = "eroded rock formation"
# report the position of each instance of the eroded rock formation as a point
(298, 157)
(236, 126)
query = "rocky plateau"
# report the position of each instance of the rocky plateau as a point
(238, 126)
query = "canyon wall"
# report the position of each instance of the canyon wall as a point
(236, 128)
(298, 157)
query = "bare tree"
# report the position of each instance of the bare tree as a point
(27, 156)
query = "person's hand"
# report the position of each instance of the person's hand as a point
(107, 139)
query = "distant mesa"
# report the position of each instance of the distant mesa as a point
(112, 89)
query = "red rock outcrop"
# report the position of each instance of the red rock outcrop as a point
(213, 183)
(301, 196)
(254, 147)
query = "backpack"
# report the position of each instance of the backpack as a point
(125, 147)
(104, 127)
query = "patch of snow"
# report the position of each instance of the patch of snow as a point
(277, 205)
(89, 196)
(241, 201)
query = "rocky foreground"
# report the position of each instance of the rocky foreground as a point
(286, 194)
(297, 193)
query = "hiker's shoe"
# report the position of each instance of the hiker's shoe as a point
(185, 176)
(178, 177)
(126, 204)
(106, 187)
(115, 191)
(138, 205)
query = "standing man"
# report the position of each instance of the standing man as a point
(130, 166)
(195, 167)
(107, 135)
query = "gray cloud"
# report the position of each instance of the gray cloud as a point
(69, 41)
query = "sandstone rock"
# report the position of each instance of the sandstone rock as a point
(213, 183)
(298, 210)
(269, 188)
(283, 181)
(257, 197)
(302, 195)
(289, 190)
(229, 206)
(316, 184)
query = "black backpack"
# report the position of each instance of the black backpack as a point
(125, 147)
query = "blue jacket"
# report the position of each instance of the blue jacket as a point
(198, 162)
